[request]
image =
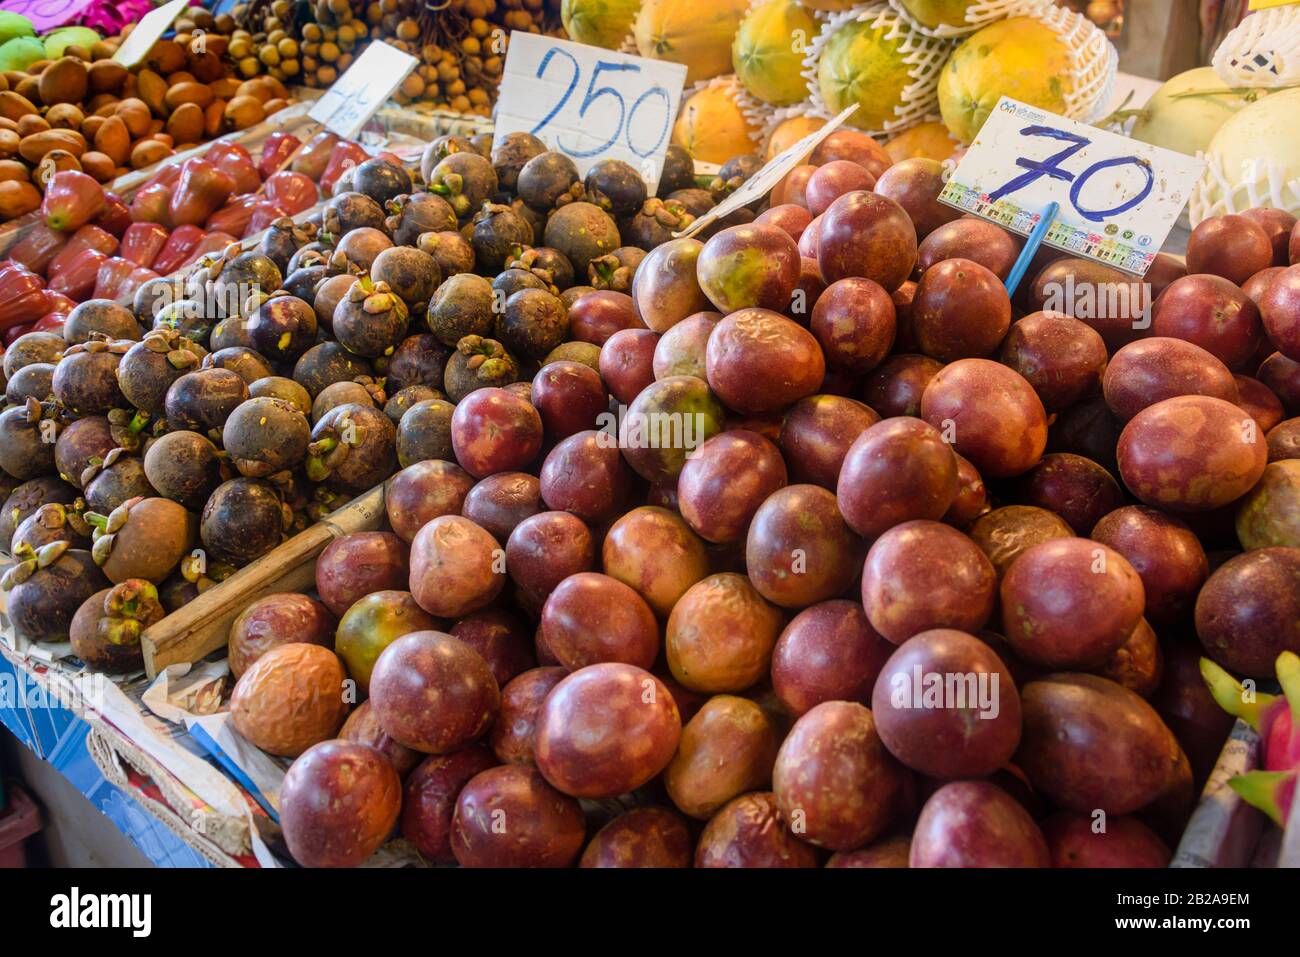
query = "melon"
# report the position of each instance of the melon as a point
(769, 49)
(1188, 123)
(20, 53)
(712, 126)
(929, 140)
(790, 131)
(1020, 57)
(690, 32)
(863, 63)
(602, 23)
(1257, 151)
(14, 25)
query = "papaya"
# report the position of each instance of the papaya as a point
(600, 23)
(928, 140)
(1019, 57)
(791, 131)
(865, 62)
(712, 127)
(769, 49)
(936, 14)
(683, 31)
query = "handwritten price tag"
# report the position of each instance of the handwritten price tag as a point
(46, 14)
(589, 103)
(366, 86)
(1118, 197)
(148, 32)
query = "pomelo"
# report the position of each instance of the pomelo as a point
(929, 140)
(791, 131)
(1020, 57)
(861, 62)
(1187, 123)
(602, 23)
(712, 127)
(769, 49)
(690, 32)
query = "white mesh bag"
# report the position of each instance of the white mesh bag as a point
(1263, 50)
(919, 57)
(1095, 60)
(978, 13)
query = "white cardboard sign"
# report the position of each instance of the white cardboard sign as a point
(363, 88)
(1118, 197)
(590, 103)
(148, 32)
(765, 180)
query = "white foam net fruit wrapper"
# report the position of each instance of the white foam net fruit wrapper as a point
(979, 13)
(925, 57)
(1252, 161)
(1263, 50)
(1093, 57)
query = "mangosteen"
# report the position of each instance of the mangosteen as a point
(340, 393)
(400, 403)
(678, 171)
(282, 239)
(282, 328)
(329, 293)
(416, 213)
(498, 230)
(353, 447)
(371, 319)
(183, 466)
(152, 295)
(142, 538)
(452, 251)
(201, 401)
(28, 434)
(529, 215)
(573, 294)
(106, 630)
(46, 588)
(463, 306)
(53, 522)
(243, 520)
(150, 366)
(582, 232)
(616, 187)
(655, 223)
(439, 149)
(312, 253)
(478, 363)
(418, 360)
(24, 500)
(85, 380)
(381, 180)
(549, 180)
(424, 432)
(187, 317)
(119, 478)
(31, 348)
(239, 283)
(533, 323)
(247, 363)
(302, 281)
(231, 333)
(550, 265)
(278, 387)
(465, 180)
(409, 272)
(178, 591)
(327, 363)
(733, 174)
(361, 246)
(616, 270)
(351, 210)
(510, 153)
(265, 436)
(33, 381)
(509, 282)
(100, 317)
(697, 201)
(79, 443)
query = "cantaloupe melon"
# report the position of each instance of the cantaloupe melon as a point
(769, 49)
(1178, 121)
(712, 126)
(601, 23)
(1253, 160)
(1019, 57)
(692, 32)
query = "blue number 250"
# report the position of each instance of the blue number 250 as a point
(595, 93)
(1051, 167)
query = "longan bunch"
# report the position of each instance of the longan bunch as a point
(266, 41)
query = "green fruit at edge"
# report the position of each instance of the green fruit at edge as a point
(14, 25)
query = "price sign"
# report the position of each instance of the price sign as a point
(762, 182)
(1118, 197)
(367, 84)
(590, 103)
(46, 15)
(1268, 4)
(148, 32)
